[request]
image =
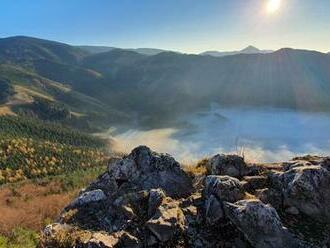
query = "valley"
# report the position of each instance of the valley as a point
(67, 111)
(260, 135)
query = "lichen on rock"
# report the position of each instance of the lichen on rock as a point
(146, 199)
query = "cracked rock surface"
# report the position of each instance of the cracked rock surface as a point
(147, 199)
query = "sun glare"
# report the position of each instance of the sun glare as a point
(273, 6)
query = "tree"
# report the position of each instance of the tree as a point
(6, 90)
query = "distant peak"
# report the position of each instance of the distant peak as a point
(250, 49)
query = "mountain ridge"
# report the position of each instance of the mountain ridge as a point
(120, 80)
(248, 50)
(102, 49)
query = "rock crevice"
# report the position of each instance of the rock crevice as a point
(146, 199)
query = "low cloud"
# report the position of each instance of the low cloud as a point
(165, 141)
(260, 135)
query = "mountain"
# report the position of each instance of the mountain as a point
(123, 86)
(103, 49)
(247, 50)
(147, 51)
(287, 78)
(95, 49)
(34, 70)
(22, 49)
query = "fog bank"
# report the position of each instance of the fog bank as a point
(261, 135)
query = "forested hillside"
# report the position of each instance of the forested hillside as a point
(31, 149)
(94, 90)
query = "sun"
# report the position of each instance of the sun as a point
(273, 6)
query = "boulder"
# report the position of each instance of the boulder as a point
(88, 197)
(156, 197)
(145, 199)
(296, 163)
(128, 209)
(58, 235)
(325, 163)
(307, 189)
(231, 165)
(217, 190)
(103, 240)
(100, 240)
(271, 196)
(259, 223)
(213, 210)
(224, 188)
(252, 183)
(308, 160)
(145, 169)
(167, 222)
(104, 182)
(292, 211)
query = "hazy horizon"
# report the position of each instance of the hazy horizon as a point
(173, 25)
(160, 48)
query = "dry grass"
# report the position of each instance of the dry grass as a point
(26, 94)
(249, 196)
(194, 170)
(30, 205)
(5, 110)
(198, 169)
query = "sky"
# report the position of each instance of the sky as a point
(190, 26)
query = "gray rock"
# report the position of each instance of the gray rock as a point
(128, 208)
(307, 189)
(259, 223)
(104, 182)
(101, 240)
(145, 199)
(271, 196)
(88, 197)
(224, 188)
(325, 163)
(129, 241)
(213, 210)
(156, 197)
(168, 221)
(252, 183)
(292, 211)
(231, 165)
(296, 163)
(145, 169)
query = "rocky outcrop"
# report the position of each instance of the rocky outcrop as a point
(260, 224)
(88, 197)
(224, 188)
(167, 222)
(145, 169)
(146, 199)
(305, 187)
(230, 165)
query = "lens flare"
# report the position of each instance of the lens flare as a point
(273, 6)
